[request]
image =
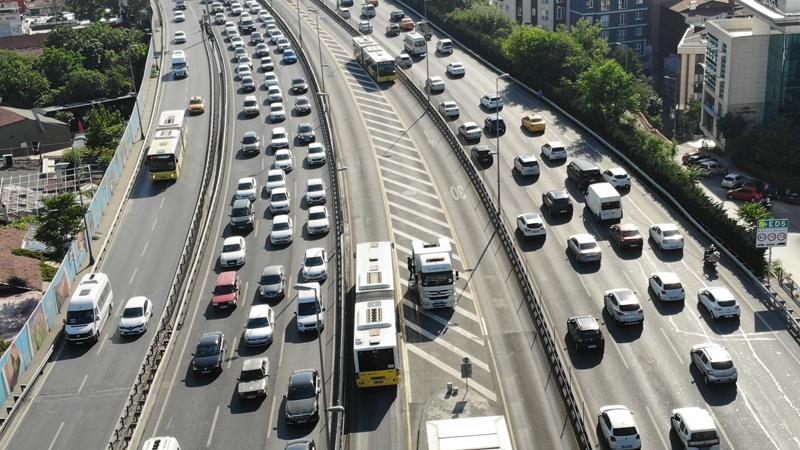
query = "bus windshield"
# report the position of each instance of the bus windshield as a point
(161, 163)
(379, 359)
(387, 68)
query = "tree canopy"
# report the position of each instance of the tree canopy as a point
(104, 127)
(21, 85)
(61, 222)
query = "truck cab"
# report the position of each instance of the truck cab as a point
(433, 275)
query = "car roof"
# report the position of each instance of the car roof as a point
(254, 363)
(241, 203)
(302, 376)
(281, 218)
(531, 217)
(449, 103)
(624, 296)
(469, 124)
(720, 292)
(136, 302)
(279, 130)
(627, 227)
(526, 157)
(275, 269)
(232, 240)
(668, 277)
(314, 251)
(697, 418)
(315, 145)
(283, 151)
(259, 311)
(247, 180)
(555, 144)
(482, 148)
(558, 193)
(666, 226)
(456, 63)
(583, 237)
(226, 278)
(250, 98)
(619, 416)
(586, 322)
(617, 171)
(210, 338)
(312, 181)
(280, 190)
(274, 172)
(318, 208)
(715, 352)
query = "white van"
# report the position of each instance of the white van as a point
(180, 67)
(88, 309)
(161, 443)
(604, 201)
(344, 12)
(695, 428)
(415, 44)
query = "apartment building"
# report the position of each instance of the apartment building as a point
(548, 14)
(624, 21)
(10, 19)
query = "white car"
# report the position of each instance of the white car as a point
(283, 44)
(244, 59)
(274, 94)
(261, 50)
(667, 286)
(267, 65)
(456, 69)
(264, 16)
(719, 302)
(284, 160)
(316, 154)
(251, 105)
(318, 222)
(714, 362)
(276, 178)
(584, 247)
(730, 180)
(259, 328)
(237, 42)
(236, 10)
(531, 224)
(492, 102)
(279, 138)
(470, 131)
(233, 252)
(179, 16)
(246, 188)
(526, 165)
(219, 18)
(618, 178)
(302, 105)
(403, 60)
(434, 84)
(274, 35)
(623, 306)
(276, 112)
(270, 79)
(282, 230)
(554, 151)
(179, 37)
(315, 191)
(449, 110)
(135, 316)
(279, 201)
(618, 427)
(230, 28)
(244, 70)
(315, 264)
(666, 236)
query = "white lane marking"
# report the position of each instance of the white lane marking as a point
(255, 232)
(154, 224)
(407, 188)
(444, 322)
(657, 426)
(394, 143)
(244, 293)
(758, 421)
(233, 349)
(213, 425)
(670, 343)
(439, 340)
(162, 202)
(55, 438)
(630, 200)
(386, 159)
(80, 388)
(132, 276)
(619, 352)
(271, 415)
(403, 175)
(145, 248)
(464, 293)
(102, 343)
(432, 234)
(423, 216)
(385, 151)
(382, 125)
(430, 359)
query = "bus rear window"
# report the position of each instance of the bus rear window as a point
(380, 359)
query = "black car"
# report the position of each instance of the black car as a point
(302, 444)
(494, 124)
(557, 202)
(210, 353)
(302, 396)
(247, 26)
(583, 173)
(792, 198)
(482, 154)
(585, 333)
(396, 15)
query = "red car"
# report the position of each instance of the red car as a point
(226, 291)
(747, 193)
(626, 235)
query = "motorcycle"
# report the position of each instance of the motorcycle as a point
(710, 259)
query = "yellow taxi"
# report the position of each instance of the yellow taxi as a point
(197, 105)
(533, 123)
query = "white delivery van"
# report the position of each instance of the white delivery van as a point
(88, 309)
(604, 201)
(180, 67)
(415, 44)
(161, 443)
(444, 46)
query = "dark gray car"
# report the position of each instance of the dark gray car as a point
(242, 216)
(210, 353)
(301, 397)
(273, 282)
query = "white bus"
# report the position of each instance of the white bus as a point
(375, 354)
(88, 309)
(415, 44)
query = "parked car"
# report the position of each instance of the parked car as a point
(730, 180)
(747, 194)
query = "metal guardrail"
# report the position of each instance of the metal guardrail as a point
(574, 407)
(176, 298)
(336, 427)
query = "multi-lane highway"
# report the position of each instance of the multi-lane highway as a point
(204, 411)
(77, 401)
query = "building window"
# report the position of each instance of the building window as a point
(605, 5)
(559, 12)
(545, 15)
(640, 2)
(639, 15)
(621, 35)
(622, 18)
(622, 4)
(604, 21)
(604, 34)
(533, 13)
(637, 47)
(589, 4)
(639, 31)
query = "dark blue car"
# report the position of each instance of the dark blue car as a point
(289, 57)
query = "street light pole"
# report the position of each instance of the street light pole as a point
(427, 56)
(136, 91)
(497, 132)
(299, 28)
(676, 102)
(319, 44)
(86, 227)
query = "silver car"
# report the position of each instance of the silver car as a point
(273, 282)
(714, 362)
(584, 247)
(623, 306)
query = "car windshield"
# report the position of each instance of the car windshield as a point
(231, 248)
(587, 245)
(245, 186)
(274, 178)
(630, 233)
(249, 103)
(222, 289)
(298, 81)
(307, 308)
(314, 261)
(316, 215)
(280, 226)
(276, 107)
(271, 279)
(250, 139)
(671, 233)
(258, 322)
(703, 436)
(314, 187)
(302, 101)
(133, 312)
(240, 212)
(625, 431)
(279, 197)
(305, 128)
(300, 391)
(206, 350)
(251, 375)
(283, 157)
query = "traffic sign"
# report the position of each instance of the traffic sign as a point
(772, 233)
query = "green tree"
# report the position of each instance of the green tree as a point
(61, 222)
(627, 58)
(21, 85)
(751, 212)
(589, 36)
(606, 91)
(57, 64)
(84, 84)
(542, 57)
(118, 81)
(104, 128)
(483, 18)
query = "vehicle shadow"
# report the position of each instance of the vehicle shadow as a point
(667, 308)
(552, 220)
(714, 395)
(665, 255)
(719, 326)
(526, 180)
(624, 253)
(529, 244)
(582, 267)
(433, 323)
(292, 335)
(621, 333)
(550, 163)
(192, 380)
(72, 351)
(213, 313)
(583, 359)
(243, 406)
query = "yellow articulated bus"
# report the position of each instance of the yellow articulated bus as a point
(165, 155)
(377, 361)
(380, 65)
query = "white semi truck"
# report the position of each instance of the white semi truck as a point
(432, 273)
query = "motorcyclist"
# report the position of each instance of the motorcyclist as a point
(711, 254)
